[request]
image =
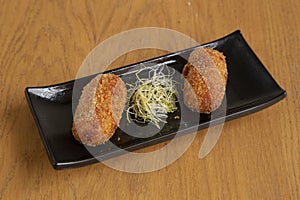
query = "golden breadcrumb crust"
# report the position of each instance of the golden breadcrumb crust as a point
(99, 110)
(205, 80)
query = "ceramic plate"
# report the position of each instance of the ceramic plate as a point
(250, 88)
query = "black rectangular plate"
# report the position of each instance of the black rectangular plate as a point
(250, 88)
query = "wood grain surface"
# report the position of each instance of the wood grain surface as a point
(45, 42)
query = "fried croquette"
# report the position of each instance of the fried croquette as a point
(205, 80)
(99, 109)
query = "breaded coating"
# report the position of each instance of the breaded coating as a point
(99, 110)
(205, 80)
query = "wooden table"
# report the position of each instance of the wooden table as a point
(45, 42)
